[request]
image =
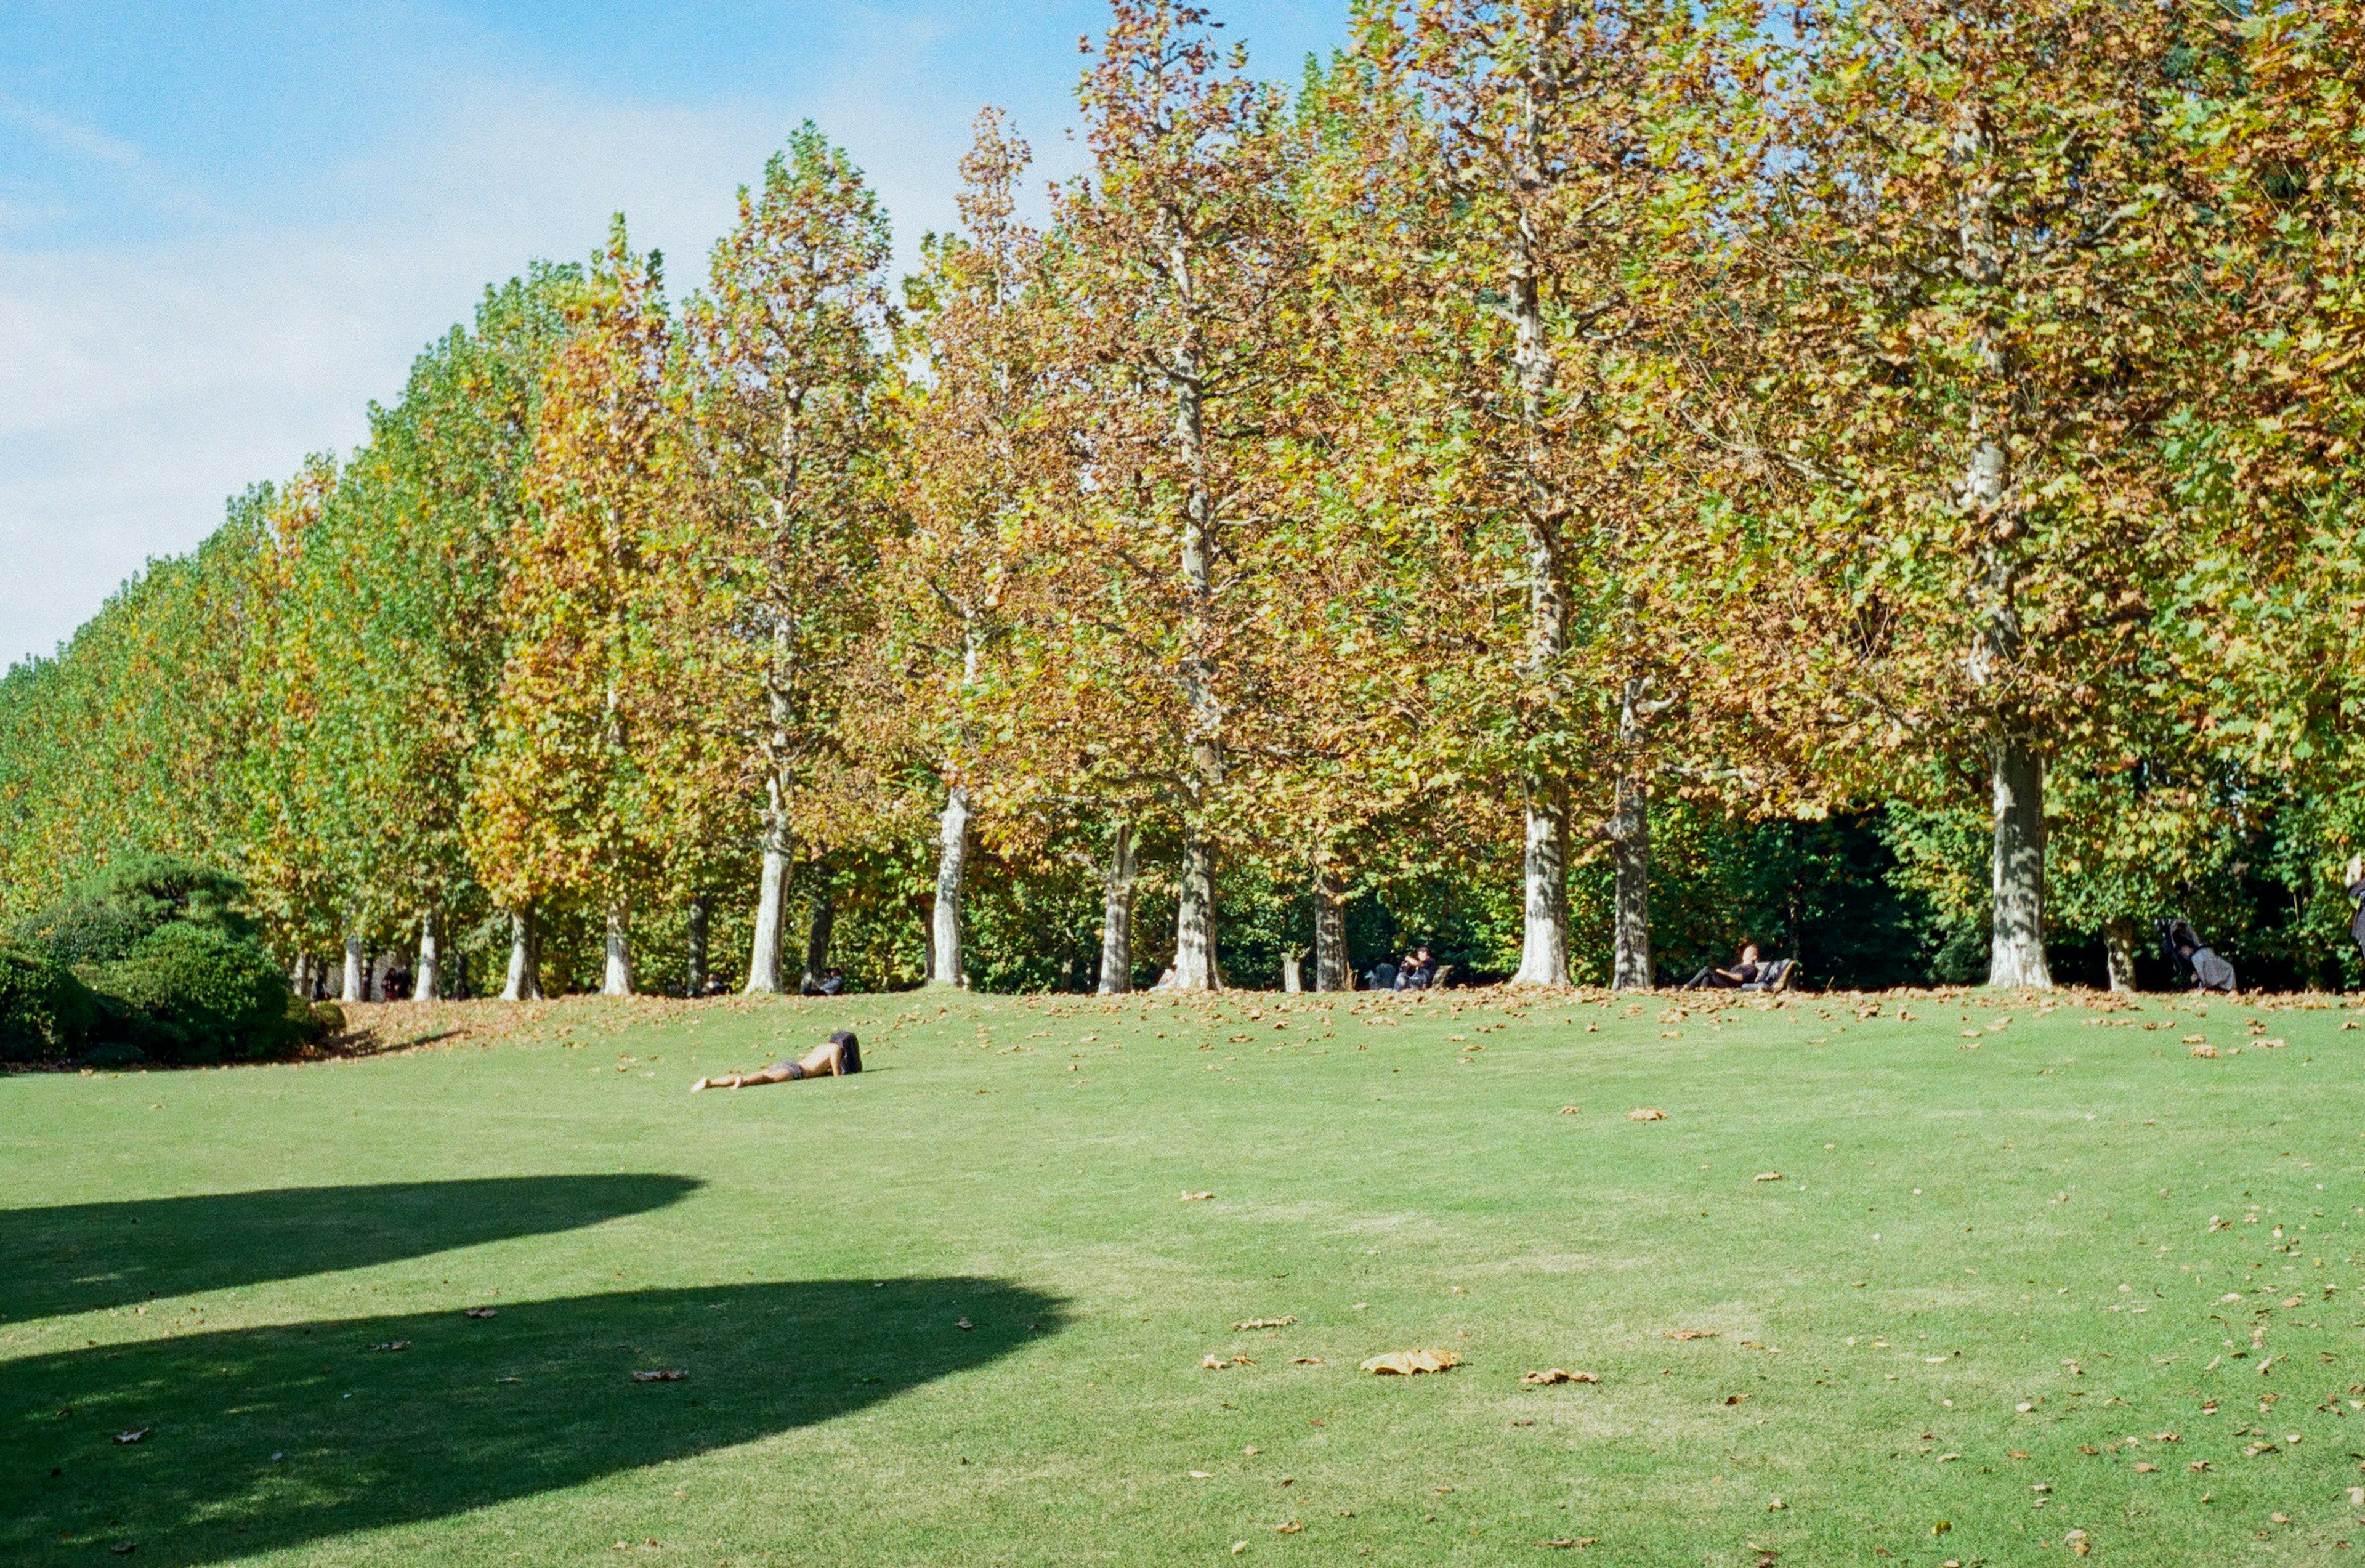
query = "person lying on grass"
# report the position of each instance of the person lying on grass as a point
(840, 1058)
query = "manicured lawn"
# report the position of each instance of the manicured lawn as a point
(955, 1311)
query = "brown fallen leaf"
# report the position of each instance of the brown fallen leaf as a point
(2146, 1468)
(1767, 1176)
(1559, 1376)
(664, 1375)
(2205, 1050)
(1202, 1475)
(2077, 1542)
(1735, 1398)
(1263, 1323)
(1212, 1363)
(1691, 1333)
(1196, 1197)
(137, 1435)
(2196, 1039)
(1571, 1110)
(1306, 1361)
(1291, 1527)
(1647, 1114)
(479, 1312)
(1405, 1363)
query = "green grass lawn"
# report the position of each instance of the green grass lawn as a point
(955, 1310)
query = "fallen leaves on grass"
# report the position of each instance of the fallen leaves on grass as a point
(1291, 1527)
(1405, 1363)
(1306, 1361)
(1645, 1114)
(663, 1374)
(1263, 1323)
(1558, 1374)
(2077, 1542)
(1767, 1176)
(1196, 1197)
(1681, 1333)
(1217, 1364)
(2196, 1040)
(2205, 1050)
(1571, 1110)
(137, 1435)
(1202, 1475)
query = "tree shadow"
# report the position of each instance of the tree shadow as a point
(469, 1413)
(79, 1257)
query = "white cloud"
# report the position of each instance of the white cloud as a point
(142, 383)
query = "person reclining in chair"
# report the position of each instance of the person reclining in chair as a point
(840, 1057)
(1746, 970)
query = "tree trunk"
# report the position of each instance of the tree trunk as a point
(1330, 967)
(1116, 915)
(1543, 940)
(2119, 950)
(1291, 962)
(525, 957)
(357, 976)
(1194, 915)
(693, 978)
(824, 917)
(618, 979)
(1630, 853)
(2017, 956)
(952, 860)
(1543, 947)
(771, 912)
(428, 984)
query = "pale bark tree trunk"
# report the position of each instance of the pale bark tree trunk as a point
(1195, 917)
(1116, 915)
(617, 980)
(771, 909)
(1543, 947)
(952, 861)
(824, 919)
(1543, 940)
(1330, 967)
(355, 985)
(2119, 951)
(694, 942)
(524, 982)
(1291, 962)
(428, 984)
(2016, 952)
(1630, 854)
(2017, 955)
(1195, 931)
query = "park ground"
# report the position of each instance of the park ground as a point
(1944, 1278)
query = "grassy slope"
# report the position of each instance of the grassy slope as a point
(1952, 1225)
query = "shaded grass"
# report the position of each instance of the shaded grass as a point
(1957, 1232)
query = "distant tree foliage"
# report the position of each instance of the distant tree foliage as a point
(1573, 486)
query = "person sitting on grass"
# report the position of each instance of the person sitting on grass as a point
(840, 1057)
(2356, 880)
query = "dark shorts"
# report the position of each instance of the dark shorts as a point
(791, 1068)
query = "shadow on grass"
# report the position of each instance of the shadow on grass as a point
(77, 1256)
(471, 1413)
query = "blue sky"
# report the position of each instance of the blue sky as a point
(225, 226)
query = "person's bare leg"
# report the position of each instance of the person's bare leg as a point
(775, 1074)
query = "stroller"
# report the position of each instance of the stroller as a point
(2202, 968)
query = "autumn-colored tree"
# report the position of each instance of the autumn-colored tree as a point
(561, 802)
(1175, 261)
(1982, 326)
(973, 458)
(785, 359)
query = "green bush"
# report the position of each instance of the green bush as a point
(197, 995)
(313, 1022)
(45, 1011)
(103, 919)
